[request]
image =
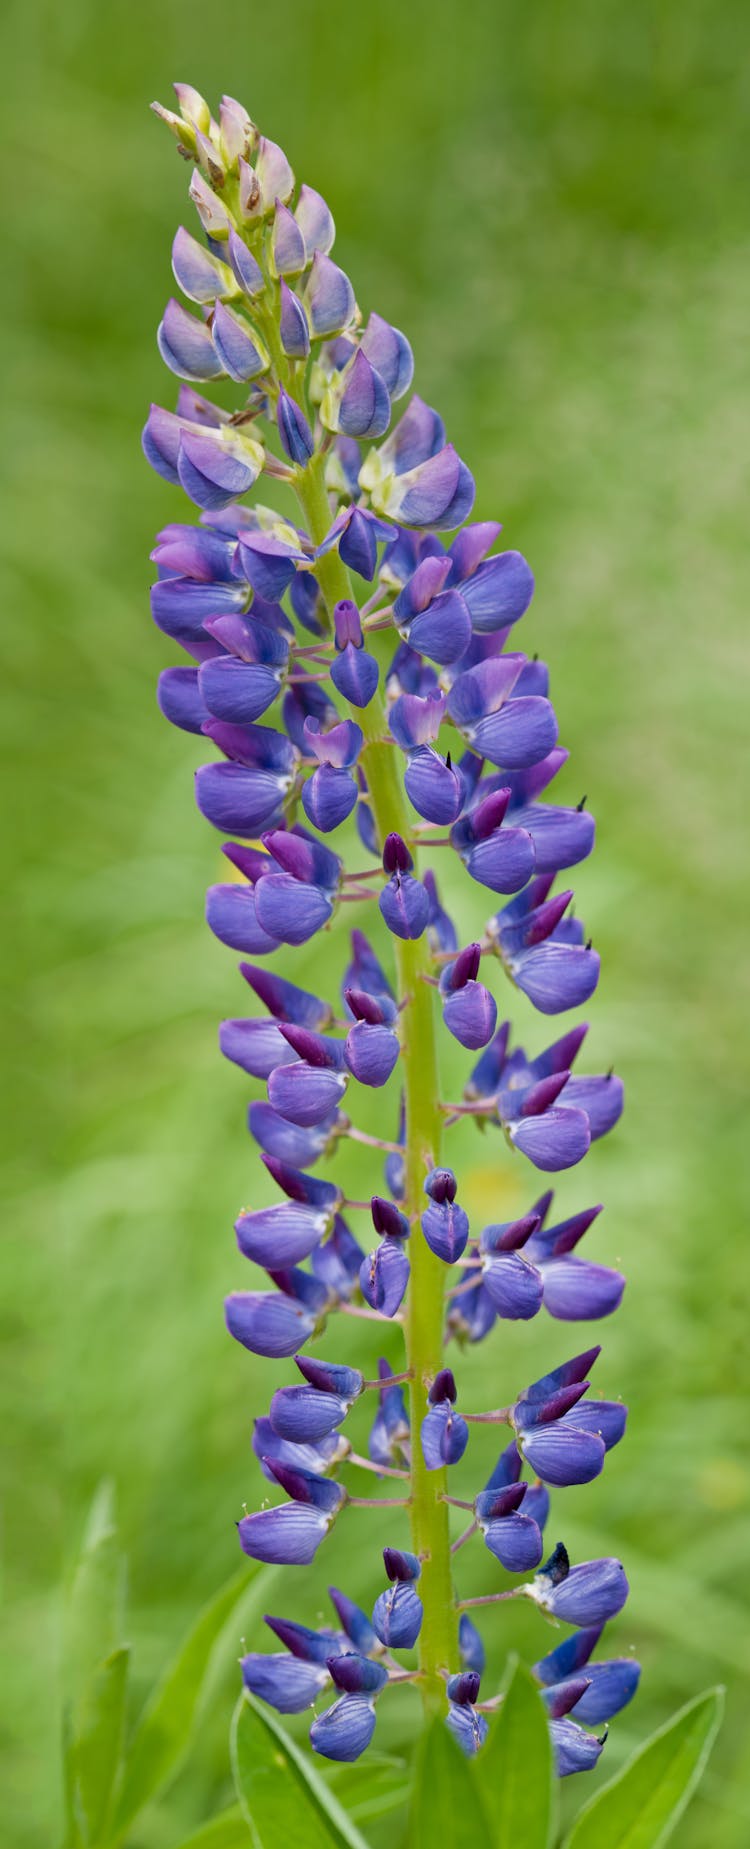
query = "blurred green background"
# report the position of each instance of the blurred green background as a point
(552, 200)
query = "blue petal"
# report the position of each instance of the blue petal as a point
(515, 1541)
(384, 1276)
(239, 801)
(289, 910)
(180, 699)
(290, 1141)
(556, 976)
(267, 1322)
(397, 1616)
(405, 906)
(575, 1750)
(557, 1139)
(592, 1592)
(577, 1291)
(235, 347)
(344, 1731)
(230, 912)
(304, 1414)
(305, 1094)
(255, 1045)
(286, 1682)
(287, 1536)
(468, 1728)
(601, 1098)
(560, 1455)
(371, 1053)
(280, 1235)
(499, 592)
(470, 1645)
(612, 1685)
(514, 1286)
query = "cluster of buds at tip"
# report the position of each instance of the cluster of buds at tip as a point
(332, 659)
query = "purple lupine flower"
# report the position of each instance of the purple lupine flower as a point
(444, 1223)
(444, 1433)
(609, 1685)
(398, 1613)
(403, 902)
(588, 1594)
(470, 1645)
(468, 1727)
(279, 673)
(290, 1535)
(389, 1439)
(384, 1273)
(563, 1440)
(513, 1283)
(546, 954)
(575, 1290)
(469, 1011)
(371, 1047)
(498, 857)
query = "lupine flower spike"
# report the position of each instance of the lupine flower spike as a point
(355, 671)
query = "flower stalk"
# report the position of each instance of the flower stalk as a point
(422, 1141)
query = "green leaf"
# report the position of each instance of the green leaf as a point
(515, 1768)
(229, 1831)
(640, 1807)
(95, 1674)
(95, 1615)
(282, 1795)
(95, 1749)
(162, 1736)
(447, 1808)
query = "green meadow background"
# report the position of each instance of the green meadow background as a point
(553, 201)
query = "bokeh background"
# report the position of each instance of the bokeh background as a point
(552, 200)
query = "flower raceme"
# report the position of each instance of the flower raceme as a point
(355, 669)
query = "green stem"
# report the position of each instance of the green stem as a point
(425, 1311)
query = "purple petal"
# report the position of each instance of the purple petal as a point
(577, 1291)
(267, 1322)
(514, 1286)
(601, 1098)
(499, 592)
(287, 1536)
(384, 1276)
(388, 349)
(591, 1593)
(555, 1140)
(405, 906)
(186, 346)
(289, 910)
(344, 1731)
(286, 1682)
(329, 297)
(305, 1094)
(280, 1235)
(575, 1750)
(556, 976)
(515, 1541)
(560, 1455)
(397, 1616)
